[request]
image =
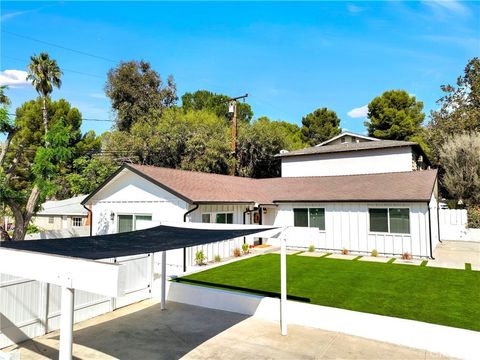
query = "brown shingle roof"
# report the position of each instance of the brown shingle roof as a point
(349, 146)
(197, 187)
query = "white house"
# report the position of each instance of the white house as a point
(393, 212)
(349, 153)
(61, 214)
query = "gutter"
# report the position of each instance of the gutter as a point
(91, 217)
(185, 249)
(430, 230)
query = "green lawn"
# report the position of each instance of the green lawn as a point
(434, 295)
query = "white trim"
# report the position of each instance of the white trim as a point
(347, 133)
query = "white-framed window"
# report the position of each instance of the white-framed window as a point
(218, 218)
(389, 220)
(129, 222)
(76, 221)
(51, 219)
(309, 217)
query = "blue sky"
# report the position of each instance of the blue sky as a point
(290, 57)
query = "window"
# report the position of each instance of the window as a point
(392, 220)
(206, 218)
(311, 217)
(51, 220)
(131, 222)
(76, 221)
(224, 218)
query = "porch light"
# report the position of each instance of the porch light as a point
(112, 216)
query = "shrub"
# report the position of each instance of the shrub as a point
(345, 251)
(237, 252)
(374, 253)
(32, 229)
(217, 258)
(311, 248)
(406, 256)
(245, 249)
(473, 214)
(200, 257)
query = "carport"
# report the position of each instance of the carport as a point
(76, 263)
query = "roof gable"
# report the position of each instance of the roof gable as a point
(348, 133)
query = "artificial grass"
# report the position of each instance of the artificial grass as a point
(435, 295)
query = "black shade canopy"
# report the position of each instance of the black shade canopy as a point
(151, 240)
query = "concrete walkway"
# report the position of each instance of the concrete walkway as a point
(143, 331)
(454, 254)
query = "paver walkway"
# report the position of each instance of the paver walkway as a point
(143, 331)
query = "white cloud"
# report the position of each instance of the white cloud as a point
(12, 15)
(14, 78)
(444, 7)
(355, 8)
(359, 112)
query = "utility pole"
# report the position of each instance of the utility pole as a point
(232, 108)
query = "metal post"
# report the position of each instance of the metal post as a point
(66, 323)
(283, 286)
(164, 280)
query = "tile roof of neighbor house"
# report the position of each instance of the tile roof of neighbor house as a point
(72, 206)
(349, 146)
(198, 187)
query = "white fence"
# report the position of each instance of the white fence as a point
(31, 308)
(453, 226)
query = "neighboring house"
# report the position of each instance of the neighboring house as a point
(392, 212)
(349, 154)
(61, 214)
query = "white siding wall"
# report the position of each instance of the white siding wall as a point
(347, 226)
(132, 194)
(349, 163)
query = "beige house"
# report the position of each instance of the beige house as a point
(61, 214)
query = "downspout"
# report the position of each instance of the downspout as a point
(438, 221)
(185, 249)
(430, 230)
(91, 217)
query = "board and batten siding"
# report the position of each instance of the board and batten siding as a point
(349, 163)
(347, 226)
(129, 194)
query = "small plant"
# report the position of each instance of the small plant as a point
(200, 257)
(345, 251)
(237, 252)
(311, 248)
(217, 258)
(374, 253)
(245, 249)
(407, 256)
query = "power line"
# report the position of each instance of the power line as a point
(60, 46)
(83, 119)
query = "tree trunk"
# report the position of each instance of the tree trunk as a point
(45, 118)
(22, 219)
(5, 147)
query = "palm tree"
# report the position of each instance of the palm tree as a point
(44, 74)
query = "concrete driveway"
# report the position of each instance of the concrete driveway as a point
(455, 254)
(143, 331)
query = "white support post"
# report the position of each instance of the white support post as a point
(66, 324)
(164, 280)
(283, 286)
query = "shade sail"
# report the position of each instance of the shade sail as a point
(155, 239)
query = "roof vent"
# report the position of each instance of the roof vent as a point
(283, 151)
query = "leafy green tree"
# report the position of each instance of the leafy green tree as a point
(459, 110)
(216, 103)
(460, 159)
(44, 74)
(137, 92)
(292, 135)
(257, 145)
(89, 173)
(319, 126)
(395, 115)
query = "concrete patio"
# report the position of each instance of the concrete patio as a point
(143, 331)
